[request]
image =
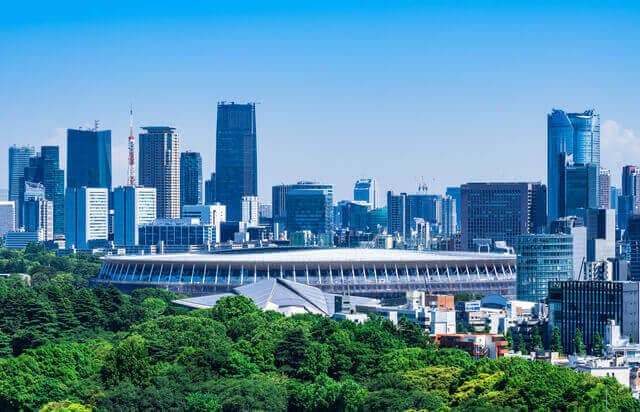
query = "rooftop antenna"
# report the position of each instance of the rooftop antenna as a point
(96, 125)
(131, 171)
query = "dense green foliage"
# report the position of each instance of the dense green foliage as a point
(66, 347)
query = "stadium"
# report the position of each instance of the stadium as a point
(369, 272)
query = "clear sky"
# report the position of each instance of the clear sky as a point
(448, 92)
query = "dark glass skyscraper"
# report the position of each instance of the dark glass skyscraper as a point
(19, 158)
(309, 207)
(190, 179)
(236, 156)
(210, 190)
(572, 139)
(88, 158)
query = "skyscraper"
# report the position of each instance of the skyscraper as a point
(572, 139)
(190, 179)
(365, 190)
(448, 216)
(133, 206)
(250, 208)
(86, 217)
(89, 158)
(18, 160)
(397, 216)
(604, 186)
(581, 189)
(309, 207)
(38, 217)
(631, 185)
(454, 192)
(501, 211)
(236, 156)
(210, 190)
(159, 167)
(7, 217)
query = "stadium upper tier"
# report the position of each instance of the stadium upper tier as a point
(362, 271)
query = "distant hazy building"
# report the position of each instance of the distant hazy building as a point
(397, 216)
(236, 156)
(631, 185)
(424, 206)
(624, 210)
(250, 210)
(309, 206)
(7, 217)
(377, 219)
(365, 190)
(501, 211)
(454, 192)
(89, 158)
(133, 206)
(604, 185)
(613, 197)
(353, 215)
(86, 217)
(210, 190)
(18, 160)
(572, 139)
(38, 217)
(190, 178)
(159, 167)
(633, 238)
(449, 217)
(542, 258)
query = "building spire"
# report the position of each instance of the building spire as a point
(131, 172)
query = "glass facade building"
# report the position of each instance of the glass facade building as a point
(89, 158)
(604, 188)
(454, 192)
(159, 167)
(572, 139)
(542, 258)
(210, 190)
(365, 190)
(581, 190)
(133, 206)
(309, 206)
(236, 156)
(86, 217)
(176, 232)
(190, 179)
(18, 160)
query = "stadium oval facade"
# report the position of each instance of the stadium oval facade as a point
(371, 272)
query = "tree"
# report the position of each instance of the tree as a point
(290, 352)
(598, 345)
(536, 339)
(129, 360)
(578, 343)
(509, 338)
(522, 346)
(411, 332)
(556, 340)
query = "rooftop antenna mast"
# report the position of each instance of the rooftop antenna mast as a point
(131, 171)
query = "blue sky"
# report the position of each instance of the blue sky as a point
(400, 91)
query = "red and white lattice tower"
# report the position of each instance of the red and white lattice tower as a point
(131, 172)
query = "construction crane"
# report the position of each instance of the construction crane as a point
(131, 171)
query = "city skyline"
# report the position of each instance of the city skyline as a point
(328, 67)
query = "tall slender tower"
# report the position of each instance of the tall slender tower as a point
(131, 172)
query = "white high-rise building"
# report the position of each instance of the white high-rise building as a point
(86, 217)
(7, 217)
(133, 206)
(250, 210)
(38, 217)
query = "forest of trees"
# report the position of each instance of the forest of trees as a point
(67, 347)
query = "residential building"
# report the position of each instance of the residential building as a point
(501, 211)
(7, 217)
(86, 217)
(159, 167)
(18, 159)
(236, 156)
(190, 179)
(88, 158)
(542, 258)
(365, 190)
(133, 206)
(250, 210)
(604, 188)
(572, 139)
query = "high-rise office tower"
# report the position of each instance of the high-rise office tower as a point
(501, 211)
(7, 217)
(448, 216)
(18, 161)
(38, 217)
(604, 187)
(581, 189)
(365, 190)
(250, 207)
(86, 217)
(236, 156)
(213, 214)
(309, 206)
(133, 206)
(631, 185)
(613, 197)
(210, 190)
(190, 179)
(572, 139)
(352, 215)
(159, 167)
(89, 158)
(454, 192)
(397, 216)
(279, 205)
(426, 207)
